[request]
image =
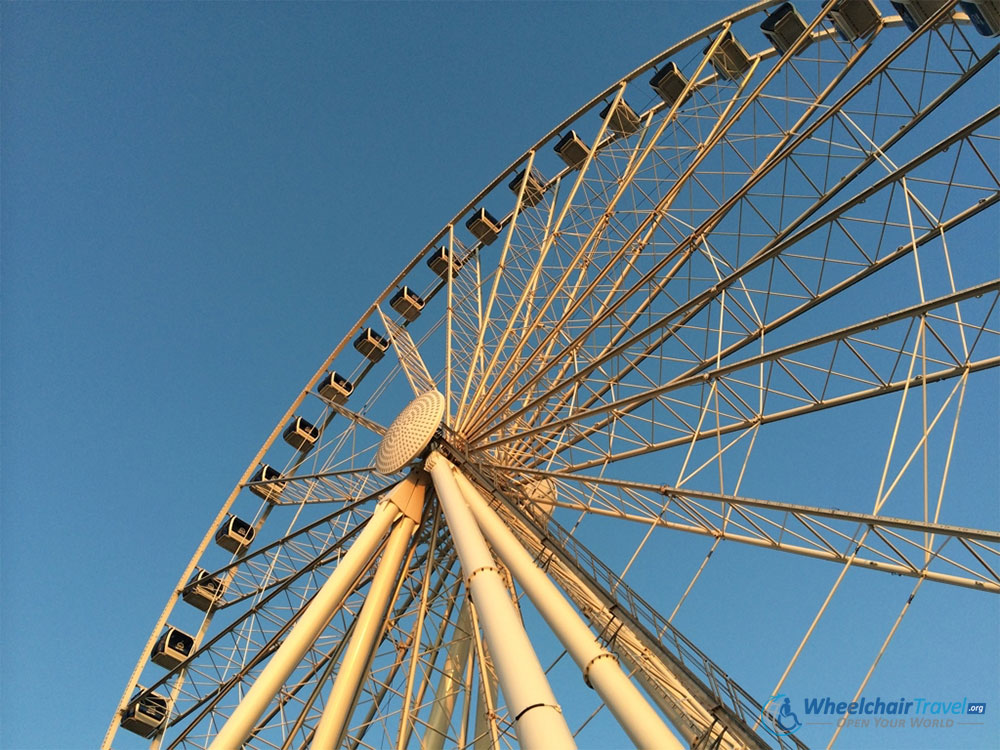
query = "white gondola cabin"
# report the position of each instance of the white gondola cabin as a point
(172, 649)
(234, 534)
(669, 83)
(440, 260)
(335, 388)
(915, 12)
(407, 303)
(623, 120)
(145, 714)
(271, 491)
(783, 27)
(572, 150)
(854, 19)
(371, 345)
(534, 186)
(730, 60)
(300, 434)
(484, 226)
(203, 590)
(984, 14)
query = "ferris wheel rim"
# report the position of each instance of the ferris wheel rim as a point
(449, 227)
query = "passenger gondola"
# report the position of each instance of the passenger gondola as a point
(172, 648)
(371, 345)
(234, 534)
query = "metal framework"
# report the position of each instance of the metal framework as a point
(741, 332)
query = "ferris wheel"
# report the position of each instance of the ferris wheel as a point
(728, 333)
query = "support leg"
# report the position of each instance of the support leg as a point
(368, 629)
(600, 668)
(538, 720)
(315, 618)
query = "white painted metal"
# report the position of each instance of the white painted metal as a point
(690, 715)
(600, 668)
(485, 728)
(450, 683)
(367, 630)
(410, 432)
(409, 356)
(316, 617)
(487, 735)
(538, 720)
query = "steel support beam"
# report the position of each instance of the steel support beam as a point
(316, 617)
(538, 720)
(689, 703)
(600, 668)
(367, 631)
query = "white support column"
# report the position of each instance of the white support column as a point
(367, 630)
(538, 721)
(316, 617)
(450, 683)
(600, 668)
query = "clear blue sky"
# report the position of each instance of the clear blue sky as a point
(196, 200)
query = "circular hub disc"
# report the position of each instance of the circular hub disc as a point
(410, 432)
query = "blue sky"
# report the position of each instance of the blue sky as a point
(196, 200)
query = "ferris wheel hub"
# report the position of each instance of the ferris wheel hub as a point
(410, 432)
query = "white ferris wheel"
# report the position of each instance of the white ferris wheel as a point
(584, 414)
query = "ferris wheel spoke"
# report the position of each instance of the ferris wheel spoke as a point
(546, 245)
(488, 315)
(865, 158)
(640, 235)
(359, 419)
(833, 369)
(769, 162)
(588, 230)
(409, 357)
(867, 266)
(586, 227)
(336, 465)
(333, 486)
(700, 363)
(823, 533)
(740, 416)
(881, 652)
(604, 192)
